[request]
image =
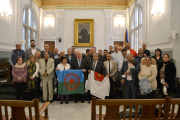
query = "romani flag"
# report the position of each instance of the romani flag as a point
(70, 82)
(125, 39)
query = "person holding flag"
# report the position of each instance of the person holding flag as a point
(63, 66)
(80, 64)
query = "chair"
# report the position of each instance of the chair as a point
(112, 108)
(172, 115)
(18, 112)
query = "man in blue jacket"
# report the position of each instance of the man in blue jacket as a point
(18, 52)
(130, 70)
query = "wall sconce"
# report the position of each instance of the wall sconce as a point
(5, 9)
(49, 21)
(119, 21)
(157, 8)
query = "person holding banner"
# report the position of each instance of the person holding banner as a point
(111, 68)
(97, 66)
(79, 63)
(63, 66)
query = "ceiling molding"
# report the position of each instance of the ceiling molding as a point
(115, 6)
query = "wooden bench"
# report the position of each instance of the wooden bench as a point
(172, 114)
(148, 108)
(18, 112)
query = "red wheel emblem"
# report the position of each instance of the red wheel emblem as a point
(71, 81)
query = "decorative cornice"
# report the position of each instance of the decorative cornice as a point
(119, 6)
(108, 12)
(60, 12)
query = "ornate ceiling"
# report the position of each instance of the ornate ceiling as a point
(63, 4)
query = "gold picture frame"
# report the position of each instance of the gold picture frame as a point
(83, 32)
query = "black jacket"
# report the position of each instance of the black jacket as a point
(56, 62)
(134, 72)
(159, 61)
(75, 65)
(72, 58)
(103, 59)
(53, 56)
(50, 54)
(170, 74)
(89, 59)
(99, 67)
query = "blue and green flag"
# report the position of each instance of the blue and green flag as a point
(70, 82)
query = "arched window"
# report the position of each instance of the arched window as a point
(29, 26)
(136, 28)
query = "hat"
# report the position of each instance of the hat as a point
(63, 57)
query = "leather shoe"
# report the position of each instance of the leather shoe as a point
(61, 102)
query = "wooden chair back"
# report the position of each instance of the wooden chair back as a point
(18, 112)
(172, 114)
(112, 108)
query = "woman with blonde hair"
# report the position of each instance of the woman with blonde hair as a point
(153, 62)
(33, 79)
(38, 56)
(143, 61)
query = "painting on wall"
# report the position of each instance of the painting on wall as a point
(84, 32)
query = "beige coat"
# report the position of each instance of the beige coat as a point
(50, 68)
(113, 69)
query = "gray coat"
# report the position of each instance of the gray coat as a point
(133, 71)
(29, 53)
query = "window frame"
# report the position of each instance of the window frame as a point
(32, 28)
(138, 27)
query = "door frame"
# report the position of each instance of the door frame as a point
(44, 40)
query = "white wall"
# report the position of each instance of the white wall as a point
(11, 30)
(104, 31)
(8, 29)
(176, 27)
(156, 31)
(99, 27)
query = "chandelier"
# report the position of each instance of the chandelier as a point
(158, 8)
(5, 9)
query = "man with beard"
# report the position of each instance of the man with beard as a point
(140, 55)
(129, 50)
(89, 58)
(56, 55)
(31, 51)
(110, 50)
(70, 56)
(103, 58)
(146, 51)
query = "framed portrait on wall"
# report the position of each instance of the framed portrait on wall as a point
(84, 32)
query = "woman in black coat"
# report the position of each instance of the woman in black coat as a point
(166, 71)
(158, 56)
(159, 60)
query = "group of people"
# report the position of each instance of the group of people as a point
(121, 66)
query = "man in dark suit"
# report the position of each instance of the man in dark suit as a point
(56, 55)
(110, 50)
(70, 56)
(46, 49)
(130, 69)
(57, 61)
(79, 63)
(103, 58)
(97, 65)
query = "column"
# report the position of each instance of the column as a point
(59, 27)
(108, 23)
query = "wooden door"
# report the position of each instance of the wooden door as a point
(118, 43)
(51, 45)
